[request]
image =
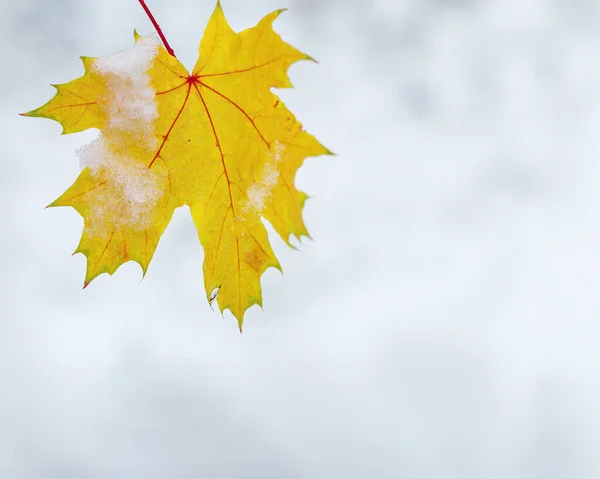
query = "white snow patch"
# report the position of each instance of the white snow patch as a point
(260, 191)
(131, 191)
(130, 103)
(132, 188)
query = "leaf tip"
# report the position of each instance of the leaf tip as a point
(53, 204)
(327, 151)
(144, 270)
(289, 243)
(240, 320)
(307, 236)
(31, 113)
(86, 62)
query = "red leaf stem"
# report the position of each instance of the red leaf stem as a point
(157, 27)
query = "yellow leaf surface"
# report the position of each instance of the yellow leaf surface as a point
(75, 105)
(219, 141)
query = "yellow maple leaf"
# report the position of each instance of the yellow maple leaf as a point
(216, 139)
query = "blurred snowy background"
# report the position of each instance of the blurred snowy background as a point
(443, 324)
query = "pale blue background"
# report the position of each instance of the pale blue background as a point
(443, 324)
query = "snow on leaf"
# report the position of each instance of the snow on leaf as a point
(216, 139)
(262, 189)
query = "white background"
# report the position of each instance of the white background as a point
(443, 324)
